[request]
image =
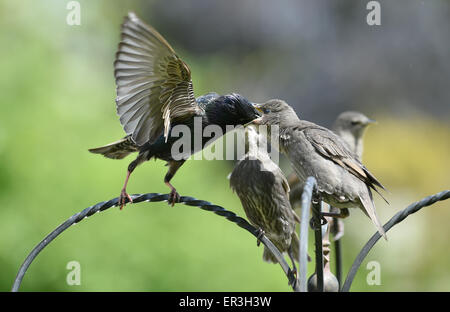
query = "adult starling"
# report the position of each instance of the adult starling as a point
(155, 94)
(342, 180)
(264, 194)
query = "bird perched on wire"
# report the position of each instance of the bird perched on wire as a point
(264, 194)
(154, 95)
(350, 126)
(342, 180)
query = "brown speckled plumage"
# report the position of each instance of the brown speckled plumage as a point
(264, 194)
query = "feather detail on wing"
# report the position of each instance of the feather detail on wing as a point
(287, 189)
(332, 147)
(154, 85)
(117, 150)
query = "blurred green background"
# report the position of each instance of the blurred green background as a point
(57, 100)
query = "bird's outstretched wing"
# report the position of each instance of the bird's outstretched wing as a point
(154, 86)
(330, 146)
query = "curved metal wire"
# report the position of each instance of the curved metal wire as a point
(301, 285)
(308, 189)
(397, 218)
(155, 197)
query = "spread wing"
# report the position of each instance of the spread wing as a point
(154, 86)
(330, 146)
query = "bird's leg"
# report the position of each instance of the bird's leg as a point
(313, 224)
(343, 213)
(337, 226)
(174, 197)
(292, 275)
(291, 256)
(123, 194)
(260, 234)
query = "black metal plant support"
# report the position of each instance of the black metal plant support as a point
(396, 219)
(307, 196)
(155, 197)
(317, 224)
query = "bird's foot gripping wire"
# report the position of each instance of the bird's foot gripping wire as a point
(337, 224)
(342, 214)
(173, 198)
(260, 233)
(124, 198)
(337, 229)
(292, 276)
(313, 223)
(292, 257)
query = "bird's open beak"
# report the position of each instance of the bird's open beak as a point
(258, 120)
(258, 107)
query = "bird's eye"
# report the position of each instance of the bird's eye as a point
(355, 122)
(266, 110)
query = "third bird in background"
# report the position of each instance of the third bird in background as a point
(350, 126)
(264, 194)
(342, 180)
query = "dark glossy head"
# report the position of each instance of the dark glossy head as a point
(232, 109)
(352, 122)
(275, 112)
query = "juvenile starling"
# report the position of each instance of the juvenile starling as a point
(342, 180)
(350, 126)
(154, 94)
(264, 194)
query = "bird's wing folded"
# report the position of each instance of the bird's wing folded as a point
(154, 86)
(330, 146)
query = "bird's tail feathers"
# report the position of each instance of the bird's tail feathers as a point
(372, 178)
(374, 183)
(268, 256)
(117, 150)
(381, 195)
(369, 210)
